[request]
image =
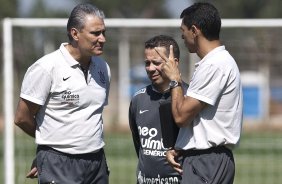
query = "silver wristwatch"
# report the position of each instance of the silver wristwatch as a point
(174, 84)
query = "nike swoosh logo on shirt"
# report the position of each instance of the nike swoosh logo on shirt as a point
(141, 112)
(64, 79)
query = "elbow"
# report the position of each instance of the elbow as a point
(184, 119)
(180, 122)
(19, 121)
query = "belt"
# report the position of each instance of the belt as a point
(217, 149)
(83, 155)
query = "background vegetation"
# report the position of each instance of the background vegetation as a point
(261, 168)
(258, 158)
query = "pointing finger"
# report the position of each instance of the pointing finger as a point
(161, 54)
(171, 54)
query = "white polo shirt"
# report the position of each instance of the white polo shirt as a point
(70, 117)
(216, 81)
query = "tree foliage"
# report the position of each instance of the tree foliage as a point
(41, 11)
(8, 8)
(132, 8)
(249, 9)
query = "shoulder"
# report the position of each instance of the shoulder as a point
(219, 59)
(51, 57)
(140, 97)
(141, 91)
(100, 63)
(47, 62)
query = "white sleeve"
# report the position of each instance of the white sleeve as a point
(36, 84)
(207, 84)
(108, 84)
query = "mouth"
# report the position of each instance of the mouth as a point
(100, 47)
(154, 77)
(97, 44)
(98, 50)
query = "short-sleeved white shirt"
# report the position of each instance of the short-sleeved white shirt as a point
(70, 117)
(216, 81)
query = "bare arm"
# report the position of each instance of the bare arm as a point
(184, 109)
(24, 117)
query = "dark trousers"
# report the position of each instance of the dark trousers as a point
(212, 166)
(55, 167)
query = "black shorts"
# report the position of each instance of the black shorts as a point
(55, 167)
(212, 166)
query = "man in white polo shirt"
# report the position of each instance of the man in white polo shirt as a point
(62, 98)
(210, 114)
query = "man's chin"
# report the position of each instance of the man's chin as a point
(155, 82)
(98, 53)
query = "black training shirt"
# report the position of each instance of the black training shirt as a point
(144, 122)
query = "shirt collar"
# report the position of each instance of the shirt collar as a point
(210, 54)
(68, 57)
(165, 91)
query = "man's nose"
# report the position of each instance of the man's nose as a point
(102, 38)
(152, 67)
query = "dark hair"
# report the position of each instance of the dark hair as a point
(78, 14)
(205, 17)
(163, 41)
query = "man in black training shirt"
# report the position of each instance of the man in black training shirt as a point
(144, 116)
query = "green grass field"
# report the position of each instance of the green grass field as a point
(258, 159)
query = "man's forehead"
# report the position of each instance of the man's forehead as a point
(161, 48)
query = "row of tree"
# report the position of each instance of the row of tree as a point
(153, 9)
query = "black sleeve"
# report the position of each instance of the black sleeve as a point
(168, 127)
(134, 129)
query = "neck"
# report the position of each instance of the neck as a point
(205, 46)
(161, 88)
(74, 51)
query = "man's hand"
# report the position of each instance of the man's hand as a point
(33, 170)
(170, 67)
(32, 173)
(172, 158)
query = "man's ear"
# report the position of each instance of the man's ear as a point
(195, 30)
(176, 61)
(74, 33)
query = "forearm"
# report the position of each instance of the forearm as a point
(185, 108)
(28, 127)
(177, 97)
(25, 116)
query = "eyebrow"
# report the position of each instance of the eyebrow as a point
(97, 33)
(153, 60)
